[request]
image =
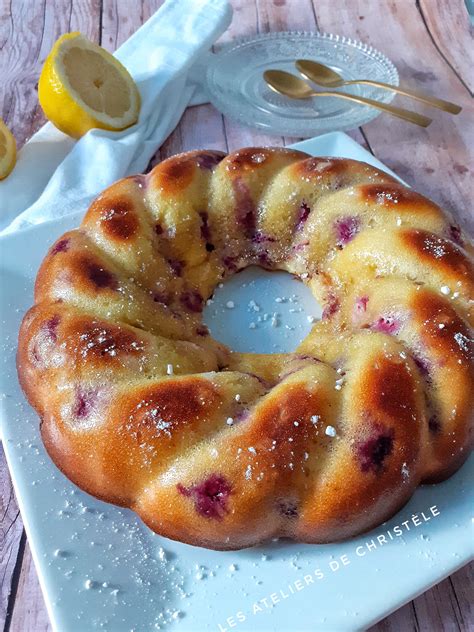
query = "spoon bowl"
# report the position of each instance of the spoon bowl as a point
(319, 73)
(288, 84)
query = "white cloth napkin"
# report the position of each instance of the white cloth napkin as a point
(56, 176)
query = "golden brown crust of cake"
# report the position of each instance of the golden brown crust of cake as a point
(140, 407)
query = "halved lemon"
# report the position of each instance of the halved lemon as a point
(7, 150)
(82, 86)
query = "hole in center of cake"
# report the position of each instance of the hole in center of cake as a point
(256, 311)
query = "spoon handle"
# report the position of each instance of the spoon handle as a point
(406, 115)
(446, 106)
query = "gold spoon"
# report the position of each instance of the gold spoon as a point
(329, 78)
(294, 87)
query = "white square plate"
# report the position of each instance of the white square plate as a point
(99, 567)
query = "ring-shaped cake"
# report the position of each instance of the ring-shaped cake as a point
(140, 407)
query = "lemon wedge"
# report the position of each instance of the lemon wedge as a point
(82, 86)
(7, 150)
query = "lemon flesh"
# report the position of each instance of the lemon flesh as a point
(82, 87)
(7, 151)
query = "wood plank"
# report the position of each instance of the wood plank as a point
(285, 16)
(450, 26)
(402, 620)
(263, 16)
(119, 22)
(436, 609)
(246, 22)
(448, 606)
(437, 160)
(11, 530)
(28, 33)
(463, 586)
(29, 613)
(149, 7)
(293, 15)
(201, 127)
(20, 33)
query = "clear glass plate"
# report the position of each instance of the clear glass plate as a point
(236, 86)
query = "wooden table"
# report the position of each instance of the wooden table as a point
(430, 43)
